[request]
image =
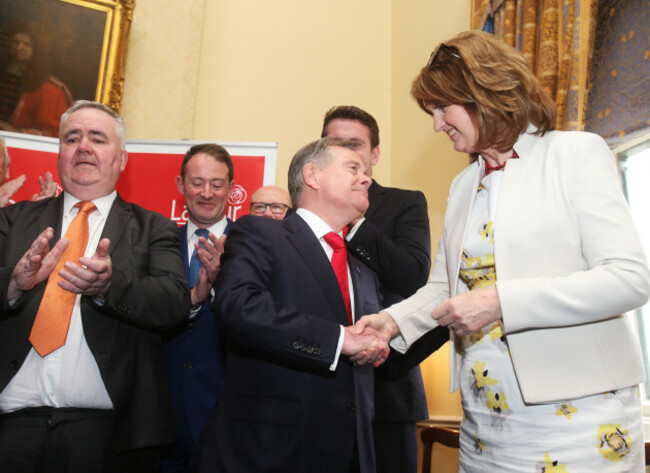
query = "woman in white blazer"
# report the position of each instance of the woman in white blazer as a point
(537, 262)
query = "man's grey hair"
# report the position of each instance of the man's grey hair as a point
(318, 152)
(120, 127)
(3, 149)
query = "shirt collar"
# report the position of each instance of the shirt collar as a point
(103, 204)
(216, 229)
(317, 224)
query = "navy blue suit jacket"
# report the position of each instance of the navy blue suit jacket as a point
(394, 241)
(282, 408)
(195, 356)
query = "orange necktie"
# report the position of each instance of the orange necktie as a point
(50, 327)
(340, 266)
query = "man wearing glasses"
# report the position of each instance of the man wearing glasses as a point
(270, 201)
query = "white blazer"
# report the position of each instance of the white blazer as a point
(569, 262)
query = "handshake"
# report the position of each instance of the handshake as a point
(367, 340)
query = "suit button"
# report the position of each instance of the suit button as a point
(352, 407)
(296, 345)
(317, 351)
(310, 350)
(15, 364)
(187, 366)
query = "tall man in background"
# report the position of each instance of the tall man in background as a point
(194, 350)
(393, 240)
(82, 385)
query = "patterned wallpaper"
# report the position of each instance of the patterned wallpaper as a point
(620, 86)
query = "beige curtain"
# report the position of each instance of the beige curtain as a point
(556, 37)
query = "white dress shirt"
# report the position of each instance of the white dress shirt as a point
(320, 229)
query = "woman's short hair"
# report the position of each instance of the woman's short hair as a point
(493, 82)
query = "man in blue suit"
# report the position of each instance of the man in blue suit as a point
(194, 350)
(296, 398)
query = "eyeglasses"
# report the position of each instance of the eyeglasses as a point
(276, 208)
(443, 48)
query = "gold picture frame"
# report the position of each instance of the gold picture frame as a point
(85, 42)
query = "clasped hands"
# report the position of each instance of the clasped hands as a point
(465, 314)
(88, 276)
(367, 340)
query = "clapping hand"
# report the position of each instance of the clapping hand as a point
(9, 188)
(209, 253)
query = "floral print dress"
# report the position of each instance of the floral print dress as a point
(499, 432)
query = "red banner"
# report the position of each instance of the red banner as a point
(149, 177)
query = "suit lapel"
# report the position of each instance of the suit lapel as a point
(116, 222)
(357, 286)
(311, 251)
(182, 236)
(51, 216)
(455, 238)
(376, 195)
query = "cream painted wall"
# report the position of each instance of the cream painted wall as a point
(162, 69)
(254, 70)
(270, 70)
(423, 159)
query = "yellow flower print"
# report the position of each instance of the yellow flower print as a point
(471, 261)
(479, 445)
(487, 232)
(551, 466)
(499, 409)
(495, 332)
(482, 379)
(613, 442)
(496, 402)
(565, 409)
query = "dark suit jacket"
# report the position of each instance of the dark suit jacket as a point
(148, 293)
(394, 241)
(281, 408)
(195, 354)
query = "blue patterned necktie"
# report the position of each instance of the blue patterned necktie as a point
(195, 262)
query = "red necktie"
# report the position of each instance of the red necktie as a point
(340, 266)
(50, 327)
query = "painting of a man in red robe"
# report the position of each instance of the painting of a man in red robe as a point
(31, 99)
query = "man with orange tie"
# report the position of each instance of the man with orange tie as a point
(295, 397)
(87, 281)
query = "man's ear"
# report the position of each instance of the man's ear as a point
(179, 184)
(310, 174)
(374, 155)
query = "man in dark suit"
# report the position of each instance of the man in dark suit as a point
(194, 350)
(97, 399)
(393, 240)
(294, 399)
